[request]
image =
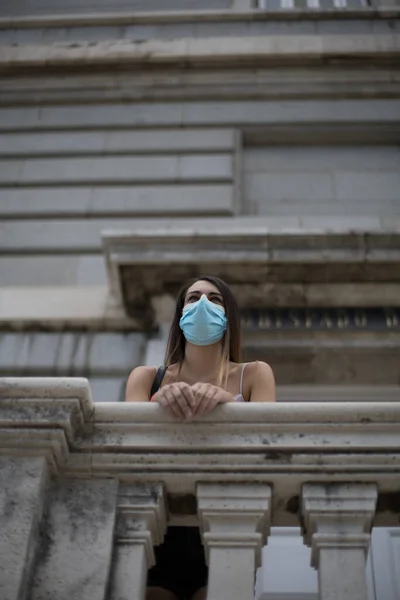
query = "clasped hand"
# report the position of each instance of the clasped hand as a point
(187, 401)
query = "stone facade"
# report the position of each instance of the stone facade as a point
(234, 118)
(255, 140)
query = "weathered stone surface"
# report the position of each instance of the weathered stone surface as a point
(141, 524)
(337, 522)
(59, 307)
(213, 113)
(25, 8)
(114, 142)
(235, 522)
(51, 270)
(279, 445)
(263, 83)
(118, 201)
(222, 50)
(245, 253)
(321, 180)
(101, 170)
(71, 353)
(262, 441)
(217, 25)
(332, 359)
(74, 558)
(23, 482)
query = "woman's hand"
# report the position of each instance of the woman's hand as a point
(207, 396)
(178, 398)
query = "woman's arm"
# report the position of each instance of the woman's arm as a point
(139, 384)
(262, 383)
(175, 397)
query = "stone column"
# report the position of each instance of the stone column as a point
(235, 522)
(141, 524)
(22, 492)
(337, 522)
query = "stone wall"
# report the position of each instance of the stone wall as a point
(105, 358)
(204, 120)
(322, 181)
(46, 7)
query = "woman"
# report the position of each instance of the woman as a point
(202, 369)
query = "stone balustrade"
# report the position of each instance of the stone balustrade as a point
(87, 490)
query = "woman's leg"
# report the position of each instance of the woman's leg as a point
(157, 593)
(201, 594)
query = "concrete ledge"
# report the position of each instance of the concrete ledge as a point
(238, 51)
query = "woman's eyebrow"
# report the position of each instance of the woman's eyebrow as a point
(200, 292)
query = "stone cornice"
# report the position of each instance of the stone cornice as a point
(273, 50)
(241, 253)
(154, 17)
(283, 445)
(48, 402)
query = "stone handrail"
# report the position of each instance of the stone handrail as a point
(89, 488)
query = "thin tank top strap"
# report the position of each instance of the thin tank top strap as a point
(241, 379)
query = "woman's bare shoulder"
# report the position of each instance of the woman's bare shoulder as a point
(261, 381)
(139, 383)
(142, 372)
(257, 366)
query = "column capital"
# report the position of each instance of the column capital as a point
(337, 516)
(141, 516)
(234, 515)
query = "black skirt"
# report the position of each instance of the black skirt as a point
(180, 563)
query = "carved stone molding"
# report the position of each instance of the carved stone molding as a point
(272, 50)
(147, 264)
(337, 516)
(221, 505)
(338, 522)
(141, 516)
(235, 523)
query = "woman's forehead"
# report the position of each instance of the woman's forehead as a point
(205, 287)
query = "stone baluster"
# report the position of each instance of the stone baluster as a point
(337, 522)
(235, 522)
(141, 525)
(23, 483)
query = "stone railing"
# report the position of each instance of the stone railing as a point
(87, 490)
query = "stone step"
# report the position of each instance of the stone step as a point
(117, 201)
(200, 114)
(168, 141)
(155, 168)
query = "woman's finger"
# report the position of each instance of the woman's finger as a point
(189, 395)
(203, 396)
(181, 401)
(172, 404)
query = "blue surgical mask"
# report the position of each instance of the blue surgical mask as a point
(203, 322)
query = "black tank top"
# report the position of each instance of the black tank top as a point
(157, 380)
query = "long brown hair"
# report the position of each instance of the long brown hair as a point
(175, 352)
